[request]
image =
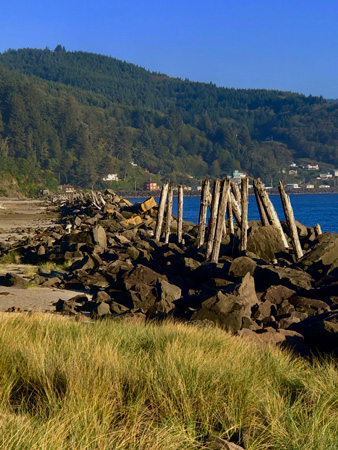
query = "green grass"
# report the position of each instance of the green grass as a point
(118, 385)
(12, 257)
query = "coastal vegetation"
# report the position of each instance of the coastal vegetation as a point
(109, 384)
(74, 117)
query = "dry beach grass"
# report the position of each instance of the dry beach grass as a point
(117, 385)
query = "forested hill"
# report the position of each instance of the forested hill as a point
(79, 116)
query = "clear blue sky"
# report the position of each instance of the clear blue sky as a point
(290, 45)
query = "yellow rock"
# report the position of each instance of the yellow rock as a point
(148, 204)
(133, 221)
(127, 202)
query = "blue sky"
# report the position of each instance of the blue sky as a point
(275, 44)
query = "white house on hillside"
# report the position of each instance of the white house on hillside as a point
(111, 177)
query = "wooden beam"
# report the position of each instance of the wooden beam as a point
(160, 213)
(225, 189)
(290, 220)
(205, 195)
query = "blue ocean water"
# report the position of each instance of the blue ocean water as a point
(308, 209)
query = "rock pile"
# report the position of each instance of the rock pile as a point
(110, 252)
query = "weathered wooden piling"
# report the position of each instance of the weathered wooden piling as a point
(169, 212)
(160, 214)
(180, 214)
(225, 189)
(236, 209)
(213, 217)
(235, 190)
(261, 210)
(318, 230)
(290, 220)
(244, 209)
(205, 194)
(270, 211)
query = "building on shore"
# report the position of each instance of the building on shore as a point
(151, 186)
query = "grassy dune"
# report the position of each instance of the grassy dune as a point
(110, 385)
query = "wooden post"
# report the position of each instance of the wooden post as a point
(236, 209)
(230, 217)
(180, 214)
(235, 190)
(318, 230)
(270, 211)
(169, 212)
(213, 217)
(225, 188)
(160, 214)
(203, 212)
(244, 209)
(288, 212)
(262, 213)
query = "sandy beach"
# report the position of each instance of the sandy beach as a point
(20, 219)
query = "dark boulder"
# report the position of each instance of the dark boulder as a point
(265, 242)
(228, 308)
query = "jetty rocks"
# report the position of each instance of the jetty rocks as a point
(105, 248)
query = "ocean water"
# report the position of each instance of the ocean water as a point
(308, 209)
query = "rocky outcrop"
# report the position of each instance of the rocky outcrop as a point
(108, 250)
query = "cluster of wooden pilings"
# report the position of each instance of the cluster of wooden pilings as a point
(227, 203)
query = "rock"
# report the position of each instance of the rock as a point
(117, 308)
(265, 242)
(141, 274)
(264, 310)
(99, 236)
(308, 305)
(168, 292)
(217, 443)
(131, 222)
(241, 266)
(101, 310)
(320, 331)
(163, 307)
(12, 279)
(289, 339)
(51, 282)
(228, 308)
(148, 204)
(77, 221)
(285, 308)
(101, 296)
(86, 263)
(286, 322)
(277, 294)
(323, 256)
(295, 279)
(41, 250)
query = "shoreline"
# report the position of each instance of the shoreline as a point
(146, 194)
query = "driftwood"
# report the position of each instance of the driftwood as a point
(244, 209)
(225, 188)
(213, 217)
(205, 199)
(180, 214)
(318, 230)
(236, 209)
(160, 214)
(261, 210)
(235, 190)
(270, 210)
(169, 213)
(290, 220)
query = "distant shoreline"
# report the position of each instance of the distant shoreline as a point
(274, 191)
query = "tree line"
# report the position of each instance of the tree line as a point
(76, 116)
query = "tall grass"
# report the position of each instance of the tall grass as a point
(114, 385)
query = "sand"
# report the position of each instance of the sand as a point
(19, 219)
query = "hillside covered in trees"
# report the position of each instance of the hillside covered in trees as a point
(75, 117)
